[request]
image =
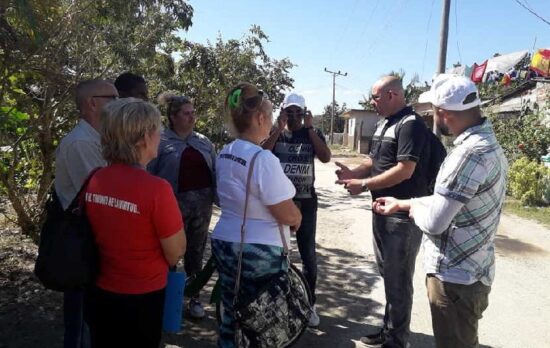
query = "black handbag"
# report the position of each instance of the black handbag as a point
(67, 254)
(280, 311)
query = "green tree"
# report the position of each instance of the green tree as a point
(46, 47)
(323, 121)
(206, 72)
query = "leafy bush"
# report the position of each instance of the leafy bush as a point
(525, 135)
(528, 181)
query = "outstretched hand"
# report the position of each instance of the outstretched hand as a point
(354, 186)
(344, 173)
(386, 205)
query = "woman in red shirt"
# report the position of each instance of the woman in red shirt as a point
(138, 229)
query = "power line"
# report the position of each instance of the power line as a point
(334, 73)
(427, 37)
(532, 12)
(456, 31)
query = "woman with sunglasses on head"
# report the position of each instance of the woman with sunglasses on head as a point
(137, 227)
(269, 204)
(187, 160)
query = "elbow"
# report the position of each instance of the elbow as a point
(325, 158)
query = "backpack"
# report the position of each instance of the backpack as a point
(436, 151)
(67, 253)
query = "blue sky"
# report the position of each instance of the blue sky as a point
(369, 38)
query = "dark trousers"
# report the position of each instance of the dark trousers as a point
(120, 320)
(396, 244)
(196, 208)
(76, 333)
(305, 238)
(456, 310)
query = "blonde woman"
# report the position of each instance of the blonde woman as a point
(138, 229)
(270, 204)
(186, 159)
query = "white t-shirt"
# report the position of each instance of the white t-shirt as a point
(269, 186)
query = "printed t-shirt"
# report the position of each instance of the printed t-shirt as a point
(269, 186)
(130, 210)
(296, 154)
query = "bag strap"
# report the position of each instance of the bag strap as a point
(78, 201)
(243, 225)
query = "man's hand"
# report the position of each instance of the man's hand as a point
(281, 120)
(354, 186)
(386, 205)
(295, 228)
(308, 119)
(344, 173)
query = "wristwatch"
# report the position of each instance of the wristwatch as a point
(364, 186)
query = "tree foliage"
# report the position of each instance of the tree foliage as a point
(46, 47)
(206, 72)
(323, 121)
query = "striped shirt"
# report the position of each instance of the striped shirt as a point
(474, 174)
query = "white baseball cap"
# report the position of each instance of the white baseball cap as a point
(453, 92)
(294, 99)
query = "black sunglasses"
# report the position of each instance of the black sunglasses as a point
(113, 97)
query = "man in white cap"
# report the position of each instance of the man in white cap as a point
(296, 143)
(460, 219)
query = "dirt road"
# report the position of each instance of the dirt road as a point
(350, 292)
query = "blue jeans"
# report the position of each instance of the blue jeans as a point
(260, 263)
(396, 244)
(77, 334)
(305, 238)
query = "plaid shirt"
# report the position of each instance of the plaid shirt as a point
(474, 173)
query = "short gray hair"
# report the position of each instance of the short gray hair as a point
(124, 123)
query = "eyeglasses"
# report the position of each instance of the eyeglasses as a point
(295, 113)
(113, 97)
(376, 97)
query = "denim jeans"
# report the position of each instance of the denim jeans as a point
(77, 334)
(305, 238)
(396, 244)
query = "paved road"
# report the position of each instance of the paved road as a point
(350, 293)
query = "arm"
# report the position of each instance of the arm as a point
(270, 142)
(319, 144)
(359, 172)
(286, 213)
(432, 214)
(174, 247)
(391, 177)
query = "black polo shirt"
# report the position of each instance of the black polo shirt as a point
(395, 141)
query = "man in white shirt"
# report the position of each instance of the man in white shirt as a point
(459, 221)
(78, 153)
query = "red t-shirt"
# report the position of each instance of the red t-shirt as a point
(130, 210)
(194, 173)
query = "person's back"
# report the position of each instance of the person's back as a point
(116, 211)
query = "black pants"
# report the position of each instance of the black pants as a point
(305, 238)
(120, 320)
(396, 244)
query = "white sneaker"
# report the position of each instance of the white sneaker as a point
(314, 318)
(195, 309)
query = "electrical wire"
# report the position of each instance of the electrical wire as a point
(427, 37)
(532, 12)
(456, 32)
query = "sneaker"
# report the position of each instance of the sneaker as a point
(375, 339)
(314, 319)
(195, 309)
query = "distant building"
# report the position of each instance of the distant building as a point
(359, 129)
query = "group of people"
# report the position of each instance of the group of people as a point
(151, 201)
(150, 204)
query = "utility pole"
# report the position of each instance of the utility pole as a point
(334, 73)
(444, 35)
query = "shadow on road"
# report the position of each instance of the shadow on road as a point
(509, 245)
(339, 199)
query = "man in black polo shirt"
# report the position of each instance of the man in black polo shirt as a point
(396, 166)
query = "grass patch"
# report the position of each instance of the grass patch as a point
(338, 150)
(539, 214)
